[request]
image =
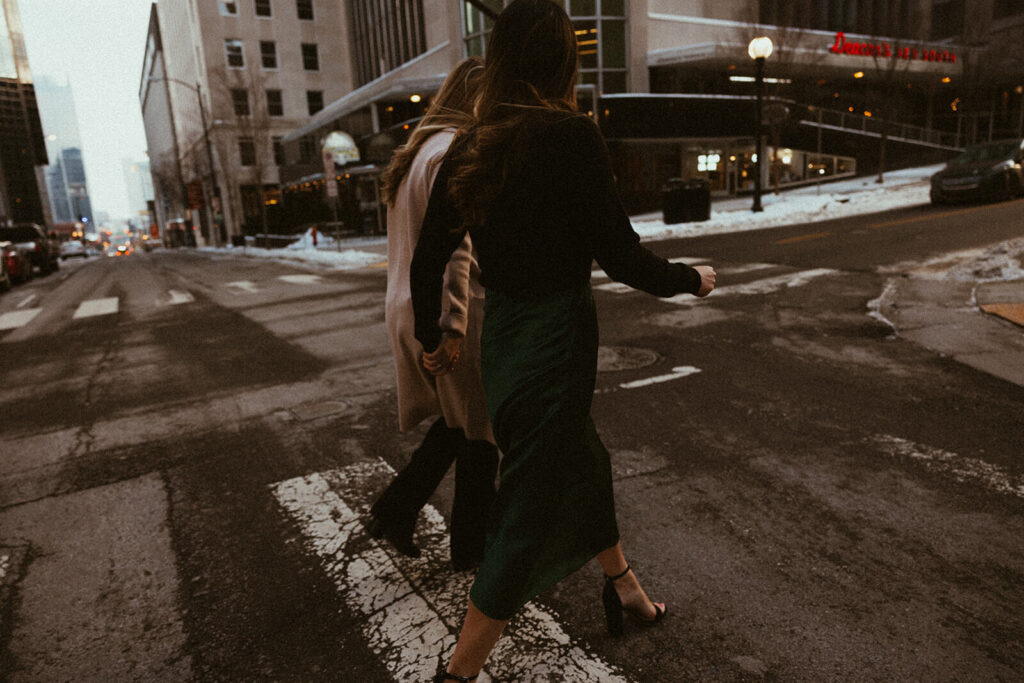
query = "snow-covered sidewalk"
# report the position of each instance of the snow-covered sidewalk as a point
(848, 197)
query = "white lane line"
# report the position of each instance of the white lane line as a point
(93, 307)
(244, 285)
(26, 301)
(677, 373)
(414, 607)
(745, 268)
(16, 319)
(961, 468)
(300, 279)
(763, 286)
(180, 297)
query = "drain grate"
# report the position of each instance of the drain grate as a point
(615, 358)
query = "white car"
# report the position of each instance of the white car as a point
(72, 249)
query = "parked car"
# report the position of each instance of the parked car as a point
(991, 170)
(72, 248)
(30, 238)
(5, 277)
(16, 262)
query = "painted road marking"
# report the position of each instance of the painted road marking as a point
(615, 287)
(301, 279)
(763, 286)
(244, 285)
(963, 469)
(931, 216)
(26, 301)
(94, 307)
(180, 297)
(16, 319)
(677, 373)
(804, 238)
(414, 607)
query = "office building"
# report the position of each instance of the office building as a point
(22, 149)
(222, 81)
(673, 87)
(60, 128)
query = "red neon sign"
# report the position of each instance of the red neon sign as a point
(842, 46)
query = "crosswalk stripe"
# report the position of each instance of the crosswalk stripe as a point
(93, 307)
(16, 319)
(677, 373)
(26, 301)
(180, 297)
(244, 285)
(300, 279)
(414, 607)
(762, 286)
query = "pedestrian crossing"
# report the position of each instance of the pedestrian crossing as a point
(414, 607)
(25, 312)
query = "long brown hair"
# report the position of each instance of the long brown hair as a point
(530, 68)
(451, 108)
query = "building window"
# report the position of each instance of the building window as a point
(227, 8)
(263, 8)
(268, 54)
(476, 26)
(310, 57)
(247, 151)
(308, 151)
(240, 98)
(315, 100)
(385, 35)
(278, 150)
(233, 52)
(304, 9)
(275, 105)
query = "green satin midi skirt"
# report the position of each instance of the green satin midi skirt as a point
(554, 510)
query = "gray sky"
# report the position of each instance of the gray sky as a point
(98, 45)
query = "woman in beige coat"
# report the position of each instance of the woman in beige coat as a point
(462, 432)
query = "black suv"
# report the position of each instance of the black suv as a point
(30, 238)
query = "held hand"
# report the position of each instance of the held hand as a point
(445, 357)
(707, 279)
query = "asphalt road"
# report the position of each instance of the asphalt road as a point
(189, 440)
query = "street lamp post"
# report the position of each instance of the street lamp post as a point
(759, 50)
(197, 89)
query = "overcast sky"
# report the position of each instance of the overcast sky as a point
(98, 46)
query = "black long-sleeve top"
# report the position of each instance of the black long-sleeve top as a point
(557, 212)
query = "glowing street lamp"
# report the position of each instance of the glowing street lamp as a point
(759, 49)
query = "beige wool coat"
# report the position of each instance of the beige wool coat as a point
(458, 396)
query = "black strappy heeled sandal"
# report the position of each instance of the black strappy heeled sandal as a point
(613, 607)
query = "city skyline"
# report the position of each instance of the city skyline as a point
(97, 47)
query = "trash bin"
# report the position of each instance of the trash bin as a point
(698, 199)
(686, 202)
(673, 209)
(238, 240)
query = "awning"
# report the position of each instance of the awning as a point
(389, 86)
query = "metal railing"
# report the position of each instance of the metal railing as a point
(848, 122)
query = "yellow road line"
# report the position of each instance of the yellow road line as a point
(804, 238)
(932, 216)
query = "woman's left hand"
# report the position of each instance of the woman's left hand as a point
(445, 357)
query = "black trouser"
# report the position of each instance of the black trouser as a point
(476, 464)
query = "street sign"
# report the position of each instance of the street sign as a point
(195, 195)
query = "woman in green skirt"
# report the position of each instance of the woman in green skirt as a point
(532, 183)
